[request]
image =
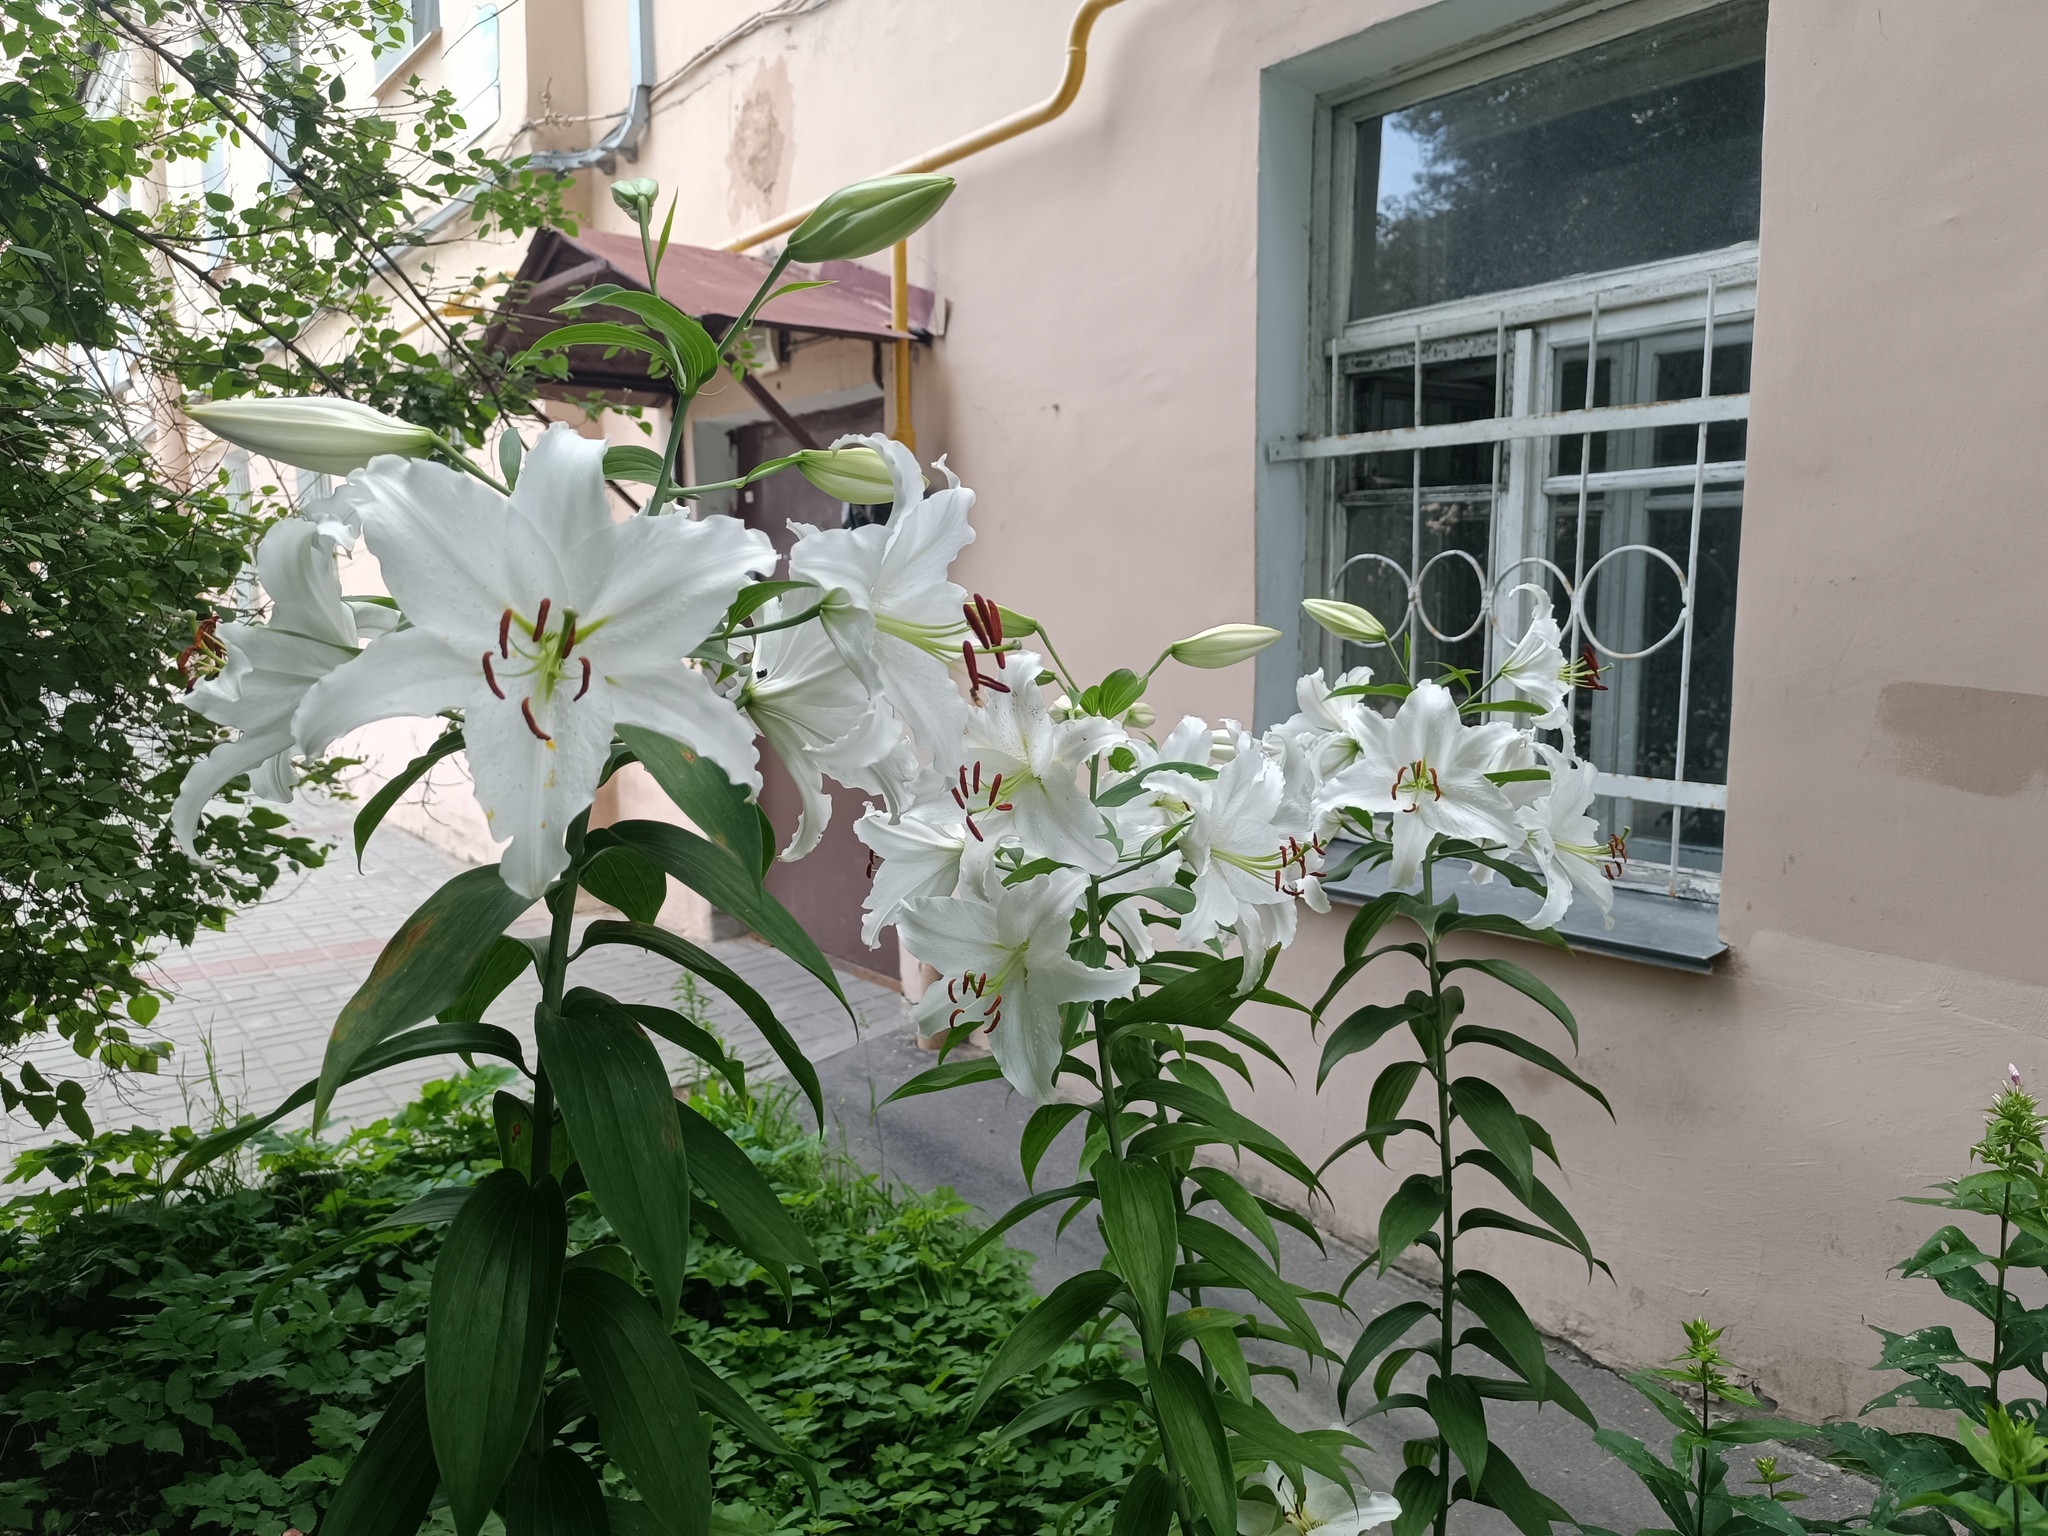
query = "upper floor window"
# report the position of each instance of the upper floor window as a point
(1498, 227)
(422, 18)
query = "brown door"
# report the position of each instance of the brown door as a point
(825, 889)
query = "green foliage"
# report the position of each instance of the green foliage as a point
(1987, 1477)
(1159, 1102)
(1692, 1487)
(102, 570)
(140, 1394)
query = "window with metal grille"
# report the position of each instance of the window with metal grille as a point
(1502, 228)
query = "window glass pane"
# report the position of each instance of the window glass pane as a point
(1636, 150)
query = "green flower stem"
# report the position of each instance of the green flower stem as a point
(554, 972)
(1999, 1266)
(1439, 1066)
(462, 461)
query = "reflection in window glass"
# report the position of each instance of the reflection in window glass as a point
(1640, 149)
(473, 72)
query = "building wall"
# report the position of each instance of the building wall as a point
(1099, 385)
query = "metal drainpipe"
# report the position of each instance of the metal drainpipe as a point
(625, 138)
(995, 133)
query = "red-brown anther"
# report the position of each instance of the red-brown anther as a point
(958, 798)
(1593, 670)
(989, 682)
(973, 677)
(995, 787)
(977, 775)
(491, 677)
(974, 622)
(994, 616)
(540, 619)
(954, 1017)
(964, 791)
(526, 709)
(951, 995)
(586, 681)
(505, 634)
(568, 636)
(1005, 806)
(975, 830)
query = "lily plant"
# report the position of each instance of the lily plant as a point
(1105, 909)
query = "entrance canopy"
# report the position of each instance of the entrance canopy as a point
(712, 285)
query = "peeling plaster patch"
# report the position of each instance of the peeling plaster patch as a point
(762, 148)
(1975, 739)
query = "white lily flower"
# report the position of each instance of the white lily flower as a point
(819, 719)
(337, 514)
(546, 624)
(1005, 960)
(265, 670)
(1535, 671)
(1242, 854)
(1565, 841)
(917, 854)
(1321, 1505)
(1427, 771)
(888, 605)
(1023, 784)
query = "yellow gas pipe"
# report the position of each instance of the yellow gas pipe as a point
(946, 154)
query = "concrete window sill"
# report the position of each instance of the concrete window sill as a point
(1649, 927)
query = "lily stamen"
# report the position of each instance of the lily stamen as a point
(491, 677)
(526, 709)
(586, 682)
(505, 636)
(540, 619)
(974, 622)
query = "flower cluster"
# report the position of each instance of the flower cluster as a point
(1034, 841)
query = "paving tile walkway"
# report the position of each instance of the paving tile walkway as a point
(253, 1004)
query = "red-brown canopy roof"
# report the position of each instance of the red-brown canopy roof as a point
(712, 285)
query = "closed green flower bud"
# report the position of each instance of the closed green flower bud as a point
(1016, 625)
(317, 432)
(868, 216)
(1140, 716)
(1223, 646)
(858, 475)
(1347, 621)
(636, 196)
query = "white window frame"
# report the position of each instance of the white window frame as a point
(1708, 292)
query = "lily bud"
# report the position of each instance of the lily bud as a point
(858, 475)
(636, 196)
(1223, 646)
(868, 216)
(318, 432)
(1140, 716)
(1016, 625)
(1347, 621)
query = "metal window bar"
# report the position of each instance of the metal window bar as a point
(1586, 421)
